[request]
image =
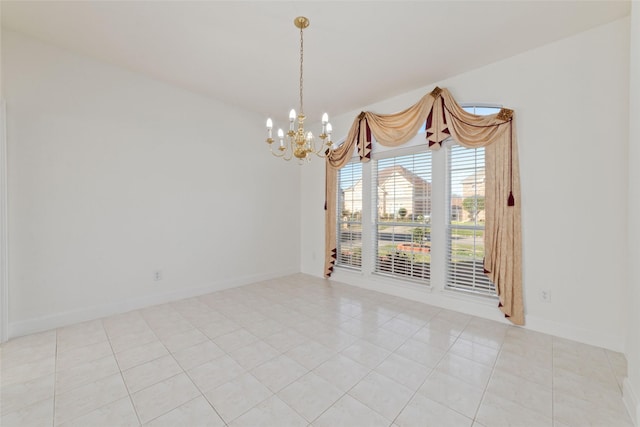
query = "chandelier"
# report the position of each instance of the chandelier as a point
(299, 143)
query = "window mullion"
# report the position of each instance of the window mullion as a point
(439, 218)
(367, 219)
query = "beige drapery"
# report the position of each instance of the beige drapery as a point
(443, 117)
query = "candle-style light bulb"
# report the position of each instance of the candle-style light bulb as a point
(269, 132)
(309, 138)
(292, 117)
(325, 120)
(329, 130)
(281, 137)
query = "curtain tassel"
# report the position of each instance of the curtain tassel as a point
(511, 201)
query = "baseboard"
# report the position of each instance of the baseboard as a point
(58, 320)
(609, 341)
(631, 401)
(486, 309)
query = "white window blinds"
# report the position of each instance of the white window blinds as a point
(465, 227)
(402, 194)
(349, 236)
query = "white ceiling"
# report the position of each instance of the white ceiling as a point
(356, 52)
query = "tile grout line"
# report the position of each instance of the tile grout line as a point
(344, 393)
(553, 370)
(427, 377)
(226, 353)
(391, 352)
(184, 371)
(135, 410)
(173, 376)
(245, 371)
(263, 400)
(313, 371)
(55, 376)
(484, 391)
(101, 378)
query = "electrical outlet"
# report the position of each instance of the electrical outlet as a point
(157, 275)
(545, 295)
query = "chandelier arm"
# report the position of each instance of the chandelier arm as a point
(289, 150)
(314, 149)
(321, 152)
(276, 154)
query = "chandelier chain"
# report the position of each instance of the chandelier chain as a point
(301, 61)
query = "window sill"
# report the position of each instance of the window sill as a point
(359, 278)
(349, 275)
(487, 300)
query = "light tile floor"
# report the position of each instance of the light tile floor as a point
(299, 351)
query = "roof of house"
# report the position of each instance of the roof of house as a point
(389, 172)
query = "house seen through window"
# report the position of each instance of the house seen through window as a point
(402, 193)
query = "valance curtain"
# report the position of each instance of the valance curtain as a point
(442, 118)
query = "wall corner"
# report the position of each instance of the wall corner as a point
(630, 400)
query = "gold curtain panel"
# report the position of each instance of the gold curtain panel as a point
(443, 118)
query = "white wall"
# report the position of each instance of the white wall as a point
(4, 278)
(632, 350)
(571, 101)
(113, 175)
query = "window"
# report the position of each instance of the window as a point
(349, 235)
(402, 192)
(465, 225)
(423, 217)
